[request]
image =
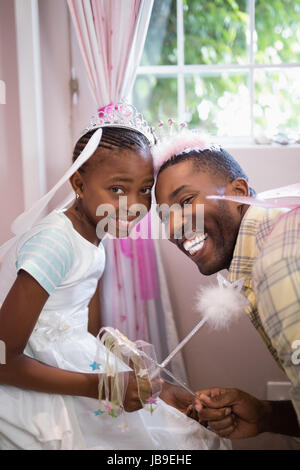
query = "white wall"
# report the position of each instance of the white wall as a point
(56, 65)
(11, 192)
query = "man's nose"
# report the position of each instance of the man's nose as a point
(177, 222)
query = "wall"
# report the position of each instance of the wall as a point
(11, 200)
(56, 66)
(55, 62)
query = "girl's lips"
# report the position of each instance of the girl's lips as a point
(122, 223)
(127, 224)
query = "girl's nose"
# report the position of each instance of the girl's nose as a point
(135, 201)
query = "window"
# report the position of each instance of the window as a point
(230, 67)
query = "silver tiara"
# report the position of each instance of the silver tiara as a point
(122, 114)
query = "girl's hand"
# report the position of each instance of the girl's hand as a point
(177, 397)
(136, 391)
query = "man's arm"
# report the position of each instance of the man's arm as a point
(281, 418)
(276, 282)
(276, 285)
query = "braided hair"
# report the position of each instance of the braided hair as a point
(113, 137)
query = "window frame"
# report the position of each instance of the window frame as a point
(181, 70)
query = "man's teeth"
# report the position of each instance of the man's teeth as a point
(192, 246)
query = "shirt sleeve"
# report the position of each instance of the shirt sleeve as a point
(47, 257)
(276, 277)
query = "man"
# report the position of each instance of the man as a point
(261, 245)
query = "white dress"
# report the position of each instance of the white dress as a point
(34, 420)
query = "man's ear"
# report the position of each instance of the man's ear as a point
(240, 187)
(77, 183)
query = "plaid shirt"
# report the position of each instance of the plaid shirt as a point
(267, 254)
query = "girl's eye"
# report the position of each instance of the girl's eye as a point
(146, 191)
(117, 190)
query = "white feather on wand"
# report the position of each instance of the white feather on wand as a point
(219, 305)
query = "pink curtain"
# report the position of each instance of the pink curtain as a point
(111, 36)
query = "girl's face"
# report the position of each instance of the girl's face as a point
(114, 181)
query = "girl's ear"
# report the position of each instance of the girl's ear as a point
(77, 183)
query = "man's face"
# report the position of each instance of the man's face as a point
(182, 184)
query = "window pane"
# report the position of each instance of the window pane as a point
(218, 103)
(161, 41)
(277, 30)
(215, 31)
(156, 97)
(277, 101)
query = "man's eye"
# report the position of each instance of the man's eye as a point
(186, 201)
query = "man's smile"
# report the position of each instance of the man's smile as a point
(195, 244)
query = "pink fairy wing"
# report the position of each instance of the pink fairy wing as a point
(292, 190)
(286, 196)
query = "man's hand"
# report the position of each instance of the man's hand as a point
(235, 414)
(231, 413)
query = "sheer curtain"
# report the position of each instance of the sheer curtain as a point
(111, 36)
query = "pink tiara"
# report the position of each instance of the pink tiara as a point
(183, 141)
(121, 114)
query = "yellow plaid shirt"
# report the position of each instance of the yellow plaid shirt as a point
(267, 254)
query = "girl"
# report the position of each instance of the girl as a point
(49, 318)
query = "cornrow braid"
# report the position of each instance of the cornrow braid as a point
(214, 160)
(113, 137)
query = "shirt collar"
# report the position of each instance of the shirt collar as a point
(255, 226)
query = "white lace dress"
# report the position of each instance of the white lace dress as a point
(33, 420)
